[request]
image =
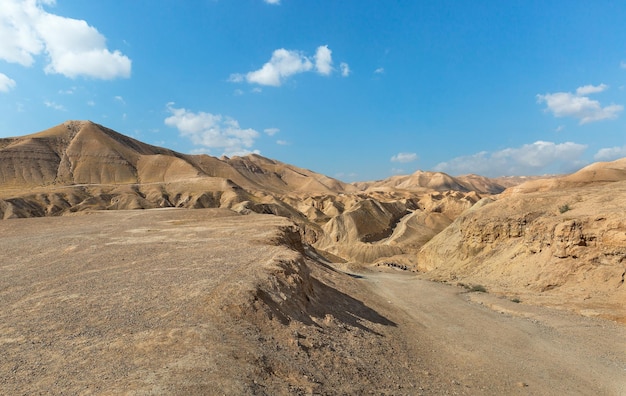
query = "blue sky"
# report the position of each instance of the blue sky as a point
(354, 89)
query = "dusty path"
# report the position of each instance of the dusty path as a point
(490, 345)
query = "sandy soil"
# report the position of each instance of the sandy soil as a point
(490, 345)
(210, 302)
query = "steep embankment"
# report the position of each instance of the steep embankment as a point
(164, 301)
(563, 243)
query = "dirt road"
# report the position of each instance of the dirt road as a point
(484, 344)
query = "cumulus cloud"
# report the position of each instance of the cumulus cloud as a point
(380, 70)
(6, 84)
(286, 63)
(323, 60)
(212, 131)
(577, 105)
(610, 153)
(530, 159)
(73, 48)
(404, 157)
(271, 131)
(282, 65)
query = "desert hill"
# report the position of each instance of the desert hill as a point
(426, 221)
(559, 241)
(81, 152)
(79, 165)
(434, 181)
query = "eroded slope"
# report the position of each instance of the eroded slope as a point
(560, 242)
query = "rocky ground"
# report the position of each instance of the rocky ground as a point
(175, 301)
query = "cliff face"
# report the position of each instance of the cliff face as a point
(569, 243)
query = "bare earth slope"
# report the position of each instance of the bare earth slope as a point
(164, 302)
(558, 242)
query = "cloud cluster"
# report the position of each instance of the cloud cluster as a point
(530, 159)
(610, 153)
(404, 157)
(72, 47)
(212, 131)
(286, 63)
(578, 104)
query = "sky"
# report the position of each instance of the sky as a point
(354, 89)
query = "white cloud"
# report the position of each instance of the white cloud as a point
(282, 65)
(590, 89)
(622, 64)
(380, 70)
(6, 83)
(212, 131)
(282, 142)
(73, 47)
(404, 157)
(275, 2)
(610, 154)
(271, 131)
(567, 104)
(345, 69)
(530, 159)
(397, 171)
(120, 99)
(323, 60)
(286, 63)
(54, 105)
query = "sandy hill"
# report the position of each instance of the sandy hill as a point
(519, 243)
(81, 152)
(82, 166)
(434, 181)
(596, 173)
(559, 241)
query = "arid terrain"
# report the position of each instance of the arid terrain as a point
(246, 275)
